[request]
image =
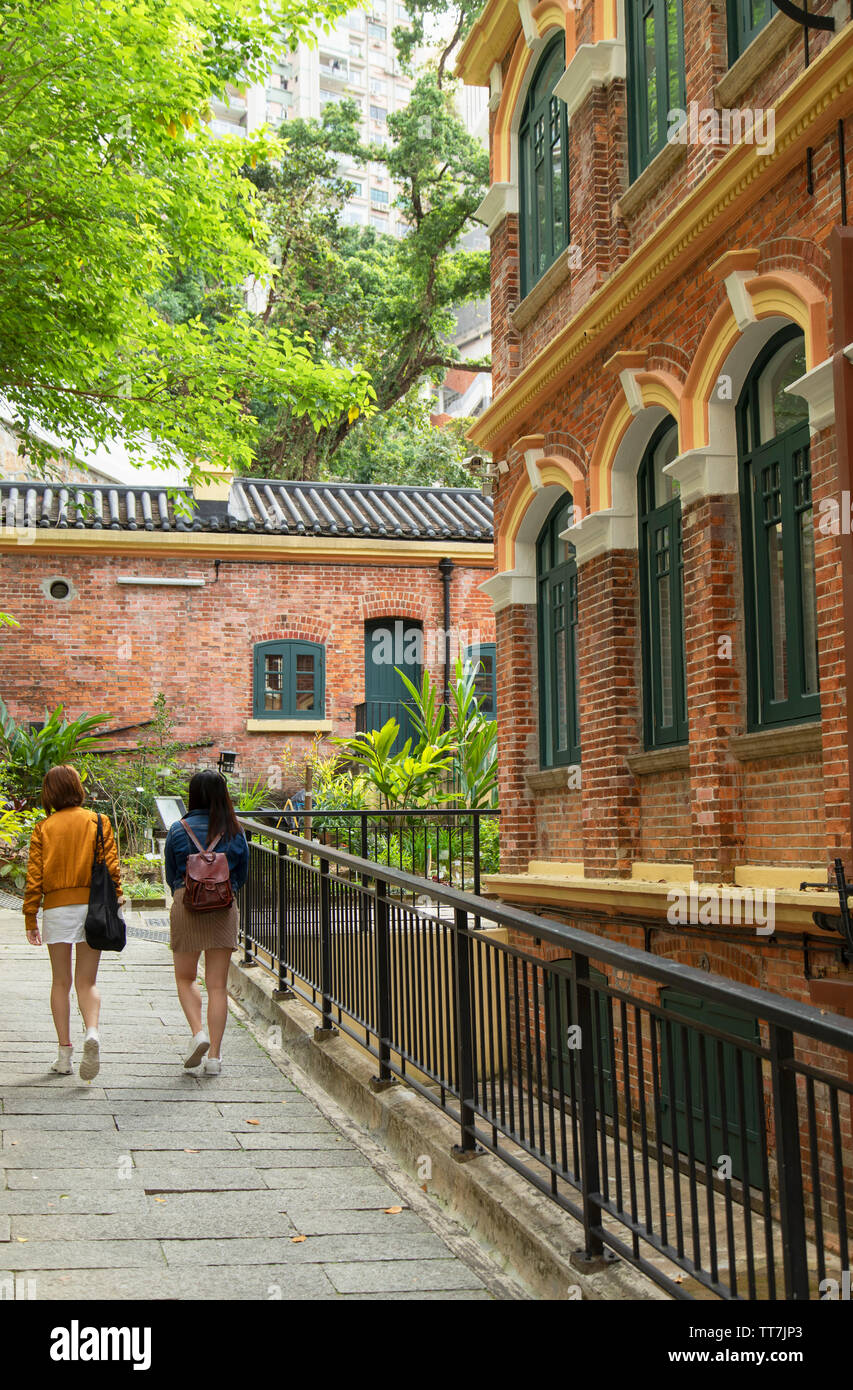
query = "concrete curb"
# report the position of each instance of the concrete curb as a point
(525, 1234)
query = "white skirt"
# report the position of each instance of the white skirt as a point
(64, 925)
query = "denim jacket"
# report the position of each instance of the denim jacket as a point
(179, 847)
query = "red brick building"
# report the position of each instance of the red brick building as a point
(672, 297)
(254, 607)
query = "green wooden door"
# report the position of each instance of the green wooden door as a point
(687, 1071)
(389, 644)
(561, 1056)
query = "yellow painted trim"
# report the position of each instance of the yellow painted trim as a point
(492, 34)
(662, 873)
(193, 544)
(549, 868)
(289, 726)
(770, 876)
(547, 16)
(615, 896)
(488, 41)
(805, 113)
(717, 342)
(660, 388)
(784, 293)
(616, 421)
(554, 469)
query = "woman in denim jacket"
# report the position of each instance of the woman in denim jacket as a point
(213, 821)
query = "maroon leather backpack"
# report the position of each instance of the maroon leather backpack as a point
(207, 885)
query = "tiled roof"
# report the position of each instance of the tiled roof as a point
(255, 504)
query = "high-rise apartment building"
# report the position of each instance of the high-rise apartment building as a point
(357, 60)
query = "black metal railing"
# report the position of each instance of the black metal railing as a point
(450, 845)
(713, 1155)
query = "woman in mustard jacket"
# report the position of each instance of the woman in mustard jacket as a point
(59, 875)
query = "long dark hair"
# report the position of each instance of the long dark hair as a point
(209, 792)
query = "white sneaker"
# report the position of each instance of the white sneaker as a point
(212, 1066)
(201, 1042)
(62, 1065)
(91, 1063)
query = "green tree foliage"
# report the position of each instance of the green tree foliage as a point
(110, 185)
(362, 295)
(355, 295)
(400, 445)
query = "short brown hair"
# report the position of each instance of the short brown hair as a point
(61, 788)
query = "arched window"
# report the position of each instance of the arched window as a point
(778, 538)
(661, 593)
(655, 76)
(557, 590)
(289, 680)
(746, 19)
(543, 144)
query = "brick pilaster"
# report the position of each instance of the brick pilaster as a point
(715, 682)
(518, 723)
(609, 710)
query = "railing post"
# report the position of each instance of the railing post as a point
(284, 991)
(462, 951)
(383, 987)
(364, 899)
(789, 1163)
(327, 1029)
(582, 1011)
(475, 849)
(249, 902)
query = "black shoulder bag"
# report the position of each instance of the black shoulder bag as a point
(105, 929)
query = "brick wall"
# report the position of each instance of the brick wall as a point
(112, 648)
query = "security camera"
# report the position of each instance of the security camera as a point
(473, 462)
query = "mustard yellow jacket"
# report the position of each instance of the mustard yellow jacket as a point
(59, 871)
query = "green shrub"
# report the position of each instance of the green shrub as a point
(28, 755)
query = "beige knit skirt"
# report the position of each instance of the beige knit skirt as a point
(202, 931)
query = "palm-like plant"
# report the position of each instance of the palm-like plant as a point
(30, 753)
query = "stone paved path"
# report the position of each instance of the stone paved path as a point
(152, 1183)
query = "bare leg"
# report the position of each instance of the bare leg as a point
(186, 966)
(60, 991)
(85, 975)
(215, 980)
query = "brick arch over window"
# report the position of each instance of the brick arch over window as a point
(399, 603)
(555, 470)
(738, 963)
(293, 630)
(660, 393)
(548, 16)
(781, 295)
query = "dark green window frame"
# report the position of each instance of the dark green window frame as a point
(543, 151)
(781, 618)
(484, 658)
(655, 65)
(292, 671)
(746, 19)
(557, 631)
(661, 606)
